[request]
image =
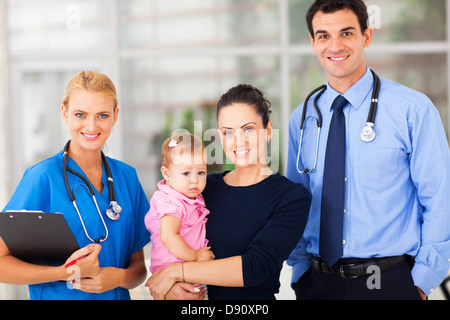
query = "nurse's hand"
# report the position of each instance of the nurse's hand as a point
(105, 280)
(86, 260)
(108, 278)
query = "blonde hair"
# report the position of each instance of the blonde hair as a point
(178, 144)
(91, 80)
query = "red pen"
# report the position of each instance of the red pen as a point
(71, 263)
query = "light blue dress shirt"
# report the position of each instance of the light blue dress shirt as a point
(397, 194)
(42, 188)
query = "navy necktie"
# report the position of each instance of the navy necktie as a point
(332, 210)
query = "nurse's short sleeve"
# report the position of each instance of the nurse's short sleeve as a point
(32, 192)
(169, 206)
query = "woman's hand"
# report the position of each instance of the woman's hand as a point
(86, 260)
(105, 280)
(185, 291)
(162, 280)
(93, 279)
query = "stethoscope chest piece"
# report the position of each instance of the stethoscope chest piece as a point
(114, 211)
(367, 133)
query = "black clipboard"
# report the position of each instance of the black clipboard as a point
(37, 237)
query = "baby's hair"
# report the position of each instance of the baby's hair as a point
(178, 144)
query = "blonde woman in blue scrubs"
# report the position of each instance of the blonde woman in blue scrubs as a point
(109, 268)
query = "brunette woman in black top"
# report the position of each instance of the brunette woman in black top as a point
(257, 216)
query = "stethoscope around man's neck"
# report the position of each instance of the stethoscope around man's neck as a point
(367, 133)
(114, 210)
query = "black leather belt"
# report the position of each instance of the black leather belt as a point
(356, 270)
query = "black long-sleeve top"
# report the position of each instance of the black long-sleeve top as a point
(262, 223)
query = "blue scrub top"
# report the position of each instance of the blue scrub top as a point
(42, 188)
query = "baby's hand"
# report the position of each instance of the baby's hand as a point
(205, 254)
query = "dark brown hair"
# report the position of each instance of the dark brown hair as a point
(330, 6)
(245, 93)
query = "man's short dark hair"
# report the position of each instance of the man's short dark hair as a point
(331, 6)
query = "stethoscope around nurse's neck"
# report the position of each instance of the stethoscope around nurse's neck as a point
(114, 210)
(367, 133)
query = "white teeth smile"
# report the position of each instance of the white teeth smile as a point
(338, 59)
(240, 153)
(90, 135)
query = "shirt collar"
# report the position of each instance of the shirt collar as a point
(163, 187)
(356, 94)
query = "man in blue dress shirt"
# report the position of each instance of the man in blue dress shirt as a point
(396, 221)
